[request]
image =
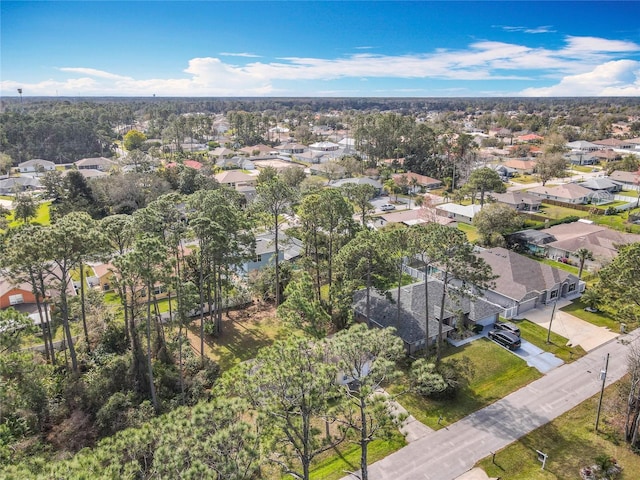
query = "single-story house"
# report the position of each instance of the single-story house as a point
(411, 321)
(529, 138)
(579, 157)
(289, 248)
(625, 178)
(102, 277)
(358, 181)
(523, 283)
(99, 163)
(222, 152)
(502, 170)
(520, 201)
(235, 163)
(414, 216)
(607, 155)
(459, 213)
(614, 143)
(19, 184)
(87, 172)
(567, 193)
(187, 163)
(36, 165)
(583, 146)
(422, 181)
(291, 148)
(523, 166)
(600, 240)
(258, 150)
(324, 146)
(601, 184)
(235, 178)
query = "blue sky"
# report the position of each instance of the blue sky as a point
(330, 48)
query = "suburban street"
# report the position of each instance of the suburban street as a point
(448, 453)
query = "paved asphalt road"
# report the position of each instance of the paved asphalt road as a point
(450, 452)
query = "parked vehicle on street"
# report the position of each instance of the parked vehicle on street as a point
(387, 206)
(506, 339)
(507, 327)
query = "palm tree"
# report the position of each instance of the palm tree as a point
(583, 255)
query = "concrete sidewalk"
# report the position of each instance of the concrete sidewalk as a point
(577, 331)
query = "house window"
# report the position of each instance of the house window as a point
(16, 299)
(258, 258)
(554, 294)
(572, 287)
(158, 290)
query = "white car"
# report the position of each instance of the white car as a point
(387, 206)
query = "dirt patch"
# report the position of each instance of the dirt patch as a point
(244, 332)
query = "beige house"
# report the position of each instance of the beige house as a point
(567, 193)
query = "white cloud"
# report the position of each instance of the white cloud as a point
(534, 30)
(94, 73)
(616, 78)
(242, 54)
(590, 63)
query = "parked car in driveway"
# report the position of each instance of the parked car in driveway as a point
(507, 327)
(387, 206)
(506, 339)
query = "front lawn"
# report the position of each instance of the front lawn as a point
(42, 217)
(601, 318)
(570, 443)
(524, 179)
(498, 372)
(556, 212)
(538, 336)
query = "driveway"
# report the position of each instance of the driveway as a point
(536, 357)
(577, 331)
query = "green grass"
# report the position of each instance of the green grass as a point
(582, 168)
(601, 318)
(538, 336)
(562, 266)
(42, 217)
(617, 222)
(347, 458)
(570, 443)
(470, 231)
(524, 179)
(555, 212)
(497, 373)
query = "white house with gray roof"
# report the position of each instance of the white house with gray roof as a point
(410, 321)
(523, 283)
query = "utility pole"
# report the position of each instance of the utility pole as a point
(603, 374)
(21, 105)
(553, 312)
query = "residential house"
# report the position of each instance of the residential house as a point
(567, 193)
(289, 248)
(628, 179)
(607, 155)
(87, 173)
(601, 184)
(187, 163)
(235, 178)
(18, 184)
(522, 166)
(505, 172)
(324, 146)
(414, 216)
(259, 150)
(102, 278)
(222, 152)
(583, 146)
(518, 200)
(614, 143)
(560, 242)
(581, 158)
(523, 283)
(410, 321)
(421, 181)
(100, 163)
(36, 165)
(358, 181)
(530, 138)
(291, 148)
(236, 163)
(459, 213)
